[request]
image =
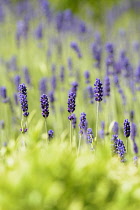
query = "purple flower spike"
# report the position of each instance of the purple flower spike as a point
(98, 90)
(135, 147)
(44, 105)
(71, 102)
(87, 76)
(23, 99)
(83, 123)
(75, 47)
(118, 147)
(27, 75)
(126, 128)
(115, 128)
(107, 86)
(133, 131)
(91, 94)
(50, 134)
(90, 135)
(72, 118)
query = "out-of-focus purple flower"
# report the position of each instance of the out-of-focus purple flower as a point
(137, 74)
(2, 124)
(23, 99)
(46, 8)
(72, 118)
(106, 86)
(62, 73)
(53, 68)
(27, 75)
(44, 105)
(82, 28)
(126, 128)
(90, 135)
(2, 14)
(102, 131)
(133, 131)
(74, 87)
(42, 86)
(87, 76)
(22, 30)
(70, 65)
(90, 90)
(136, 46)
(109, 48)
(135, 147)
(132, 113)
(39, 32)
(115, 128)
(97, 54)
(16, 98)
(3, 92)
(53, 82)
(17, 80)
(76, 48)
(71, 102)
(50, 134)
(98, 90)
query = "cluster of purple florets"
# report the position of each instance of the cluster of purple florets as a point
(98, 90)
(44, 105)
(23, 99)
(71, 102)
(126, 128)
(118, 147)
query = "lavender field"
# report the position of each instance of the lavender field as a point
(69, 108)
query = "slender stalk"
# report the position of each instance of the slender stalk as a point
(127, 145)
(46, 129)
(79, 144)
(97, 116)
(70, 134)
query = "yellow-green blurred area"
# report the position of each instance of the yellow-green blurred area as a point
(53, 177)
(93, 8)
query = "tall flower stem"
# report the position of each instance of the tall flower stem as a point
(46, 131)
(97, 118)
(70, 134)
(79, 144)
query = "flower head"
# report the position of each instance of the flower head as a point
(44, 105)
(98, 90)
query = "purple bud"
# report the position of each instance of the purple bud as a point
(72, 118)
(75, 47)
(17, 80)
(126, 128)
(87, 76)
(115, 128)
(27, 75)
(133, 131)
(50, 134)
(106, 86)
(90, 135)
(42, 86)
(23, 99)
(90, 90)
(71, 102)
(83, 123)
(98, 90)
(135, 147)
(44, 105)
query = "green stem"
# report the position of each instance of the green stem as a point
(70, 133)
(79, 144)
(46, 129)
(97, 116)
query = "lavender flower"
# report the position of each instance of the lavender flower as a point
(17, 80)
(126, 128)
(107, 86)
(83, 123)
(133, 131)
(39, 32)
(135, 147)
(87, 76)
(53, 82)
(118, 147)
(90, 135)
(97, 53)
(98, 90)
(115, 128)
(42, 86)
(3, 92)
(62, 71)
(74, 87)
(132, 115)
(75, 47)
(71, 102)
(23, 99)
(91, 94)
(44, 105)
(50, 134)
(27, 75)
(72, 118)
